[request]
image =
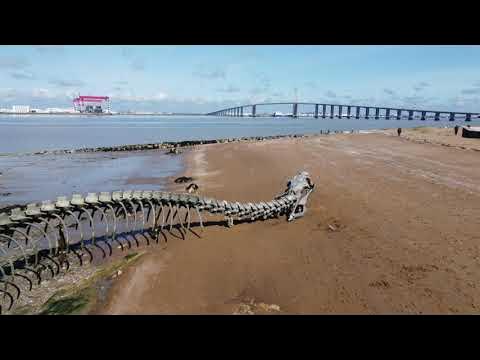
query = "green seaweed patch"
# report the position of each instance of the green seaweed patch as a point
(69, 305)
(130, 256)
(81, 299)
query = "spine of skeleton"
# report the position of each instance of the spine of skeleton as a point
(47, 237)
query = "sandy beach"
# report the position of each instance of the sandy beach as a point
(437, 136)
(392, 227)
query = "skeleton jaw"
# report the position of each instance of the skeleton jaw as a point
(300, 187)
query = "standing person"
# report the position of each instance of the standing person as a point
(456, 129)
(399, 131)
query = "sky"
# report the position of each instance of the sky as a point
(204, 78)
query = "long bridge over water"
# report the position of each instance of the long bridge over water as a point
(356, 111)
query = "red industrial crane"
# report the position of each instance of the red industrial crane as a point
(81, 103)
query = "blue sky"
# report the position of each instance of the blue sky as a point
(206, 78)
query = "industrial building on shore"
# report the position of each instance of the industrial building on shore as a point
(81, 105)
(92, 104)
(26, 109)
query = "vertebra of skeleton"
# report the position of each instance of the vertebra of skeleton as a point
(34, 237)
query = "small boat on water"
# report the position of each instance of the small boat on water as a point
(471, 132)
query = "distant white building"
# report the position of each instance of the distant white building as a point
(59, 110)
(21, 108)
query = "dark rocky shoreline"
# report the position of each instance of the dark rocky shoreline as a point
(175, 144)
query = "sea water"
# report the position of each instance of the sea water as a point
(31, 133)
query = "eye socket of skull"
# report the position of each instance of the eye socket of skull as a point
(298, 209)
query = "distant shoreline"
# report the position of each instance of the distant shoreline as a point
(183, 114)
(103, 114)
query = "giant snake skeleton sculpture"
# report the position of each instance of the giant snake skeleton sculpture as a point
(51, 235)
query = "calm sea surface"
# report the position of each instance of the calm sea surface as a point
(30, 133)
(33, 178)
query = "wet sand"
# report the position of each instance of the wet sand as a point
(33, 178)
(392, 227)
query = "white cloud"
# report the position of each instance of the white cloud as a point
(128, 96)
(22, 75)
(42, 93)
(71, 94)
(229, 89)
(8, 93)
(159, 96)
(204, 73)
(191, 100)
(67, 83)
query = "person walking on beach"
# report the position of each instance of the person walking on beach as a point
(399, 131)
(456, 129)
